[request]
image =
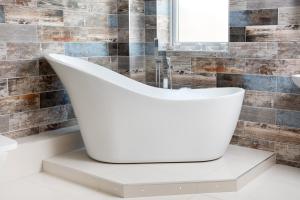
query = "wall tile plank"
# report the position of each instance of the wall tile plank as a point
(259, 99)
(21, 15)
(253, 17)
(84, 19)
(273, 33)
(31, 3)
(261, 66)
(266, 50)
(238, 5)
(7, 2)
(24, 120)
(270, 132)
(76, 34)
(250, 82)
(261, 4)
(286, 85)
(35, 84)
(86, 49)
(52, 48)
(287, 67)
(16, 104)
(55, 98)
(17, 33)
(289, 15)
(97, 6)
(14, 69)
(288, 118)
(289, 50)
(262, 115)
(21, 86)
(287, 101)
(23, 51)
(288, 154)
(237, 34)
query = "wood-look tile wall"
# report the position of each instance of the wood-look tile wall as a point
(263, 53)
(32, 98)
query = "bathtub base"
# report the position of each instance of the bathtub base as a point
(230, 173)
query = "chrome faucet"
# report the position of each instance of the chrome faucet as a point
(158, 64)
(170, 70)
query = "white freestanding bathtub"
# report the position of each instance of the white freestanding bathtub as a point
(124, 121)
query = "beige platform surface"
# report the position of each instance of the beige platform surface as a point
(277, 183)
(230, 173)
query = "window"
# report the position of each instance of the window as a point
(200, 21)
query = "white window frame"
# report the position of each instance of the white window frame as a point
(175, 44)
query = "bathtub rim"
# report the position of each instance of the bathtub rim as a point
(168, 93)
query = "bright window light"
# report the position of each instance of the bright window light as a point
(200, 21)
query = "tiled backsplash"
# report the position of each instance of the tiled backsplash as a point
(32, 98)
(264, 52)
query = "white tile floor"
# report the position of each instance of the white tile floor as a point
(278, 183)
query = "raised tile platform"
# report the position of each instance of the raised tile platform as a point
(230, 173)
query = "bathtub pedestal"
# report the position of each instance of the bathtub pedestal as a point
(230, 173)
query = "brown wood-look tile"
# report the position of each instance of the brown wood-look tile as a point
(289, 50)
(34, 16)
(21, 86)
(204, 80)
(11, 105)
(31, 3)
(287, 101)
(280, 33)
(288, 15)
(259, 99)
(15, 69)
(18, 33)
(288, 152)
(262, 115)
(266, 50)
(30, 119)
(255, 143)
(260, 4)
(287, 67)
(261, 66)
(23, 51)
